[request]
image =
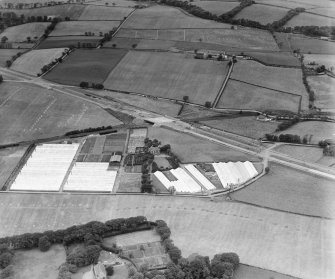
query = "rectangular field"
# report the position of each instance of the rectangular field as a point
(320, 59)
(91, 65)
(29, 112)
(168, 75)
(69, 41)
(20, 33)
(33, 61)
(309, 45)
(239, 95)
(6, 54)
(323, 87)
(217, 7)
(292, 4)
(116, 3)
(304, 19)
(93, 12)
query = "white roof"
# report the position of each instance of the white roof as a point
(200, 177)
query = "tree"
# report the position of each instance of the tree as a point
(8, 63)
(134, 45)
(4, 39)
(28, 39)
(114, 45)
(84, 84)
(208, 104)
(267, 169)
(185, 98)
(44, 243)
(7, 272)
(5, 259)
(109, 270)
(1, 78)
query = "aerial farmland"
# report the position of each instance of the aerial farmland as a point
(167, 139)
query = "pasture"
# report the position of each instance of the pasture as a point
(320, 59)
(6, 54)
(247, 272)
(68, 41)
(20, 33)
(291, 190)
(79, 28)
(217, 7)
(304, 19)
(191, 149)
(168, 75)
(33, 61)
(318, 130)
(116, 3)
(285, 59)
(323, 87)
(307, 4)
(263, 238)
(93, 12)
(329, 12)
(262, 13)
(29, 112)
(239, 95)
(91, 65)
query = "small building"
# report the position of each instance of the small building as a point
(116, 158)
(97, 271)
(155, 150)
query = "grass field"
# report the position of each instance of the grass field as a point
(239, 95)
(310, 45)
(318, 130)
(247, 126)
(262, 13)
(329, 12)
(168, 75)
(6, 54)
(217, 7)
(304, 19)
(320, 59)
(291, 4)
(68, 41)
(104, 13)
(92, 65)
(276, 58)
(29, 112)
(78, 28)
(191, 149)
(9, 158)
(33, 61)
(20, 33)
(248, 272)
(296, 245)
(38, 265)
(291, 190)
(112, 3)
(323, 87)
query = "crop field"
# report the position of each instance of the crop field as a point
(239, 95)
(246, 38)
(318, 130)
(33, 61)
(6, 54)
(168, 75)
(20, 33)
(116, 3)
(320, 59)
(276, 78)
(323, 87)
(247, 126)
(78, 28)
(254, 233)
(304, 19)
(262, 13)
(161, 17)
(39, 265)
(130, 182)
(68, 41)
(91, 65)
(291, 190)
(276, 58)
(104, 13)
(29, 112)
(191, 149)
(217, 7)
(9, 158)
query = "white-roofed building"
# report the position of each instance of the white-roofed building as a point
(200, 177)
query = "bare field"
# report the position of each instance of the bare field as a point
(323, 87)
(6, 54)
(93, 12)
(239, 95)
(291, 190)
(91, 65)
(20, 33)
(191, 149)
(304, 19)
(217, 7)
(68, 41)
(268, 239)
(78, 28)
(168, 75)
(33, 61)
(262, 13)
(29, 112)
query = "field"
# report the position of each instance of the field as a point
(33, 61)
(320, 59)
(191, 149)
(29, 112)
(239, 95)
(129, 182)
(247, 272)
(329, 12)
(291, 190)
(68, 41)
(78, 28)
(245, 125)
(243, 38)
(276, 58)
(319, 130)
(150, 44)
(35, 264)
(117, 3)
(296, 245)
(104, 13)
(262, 13)
(20, 33)
(276, 78)
(291, 4)
(309, 45)
(216, 7)
(323, 87)
(304, 19)
(91, 65)
(168, 75)
(9, 158)
(6, 54)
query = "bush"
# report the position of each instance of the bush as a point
(44, 243)
(5, 259)
(109, 270)
(84, 256)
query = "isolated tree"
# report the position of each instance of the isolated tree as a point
(109, 270)
(9, 63)
(134, 45)
(208, 104)
(44, 243)
(1, 79)
(114, 45)
(84, 84)
(4, 39)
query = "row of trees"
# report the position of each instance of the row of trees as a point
(148, 159)
(88, 130)
(85, 85)
(312, 30)
(286, 138)
(13, 58)
(287, 124)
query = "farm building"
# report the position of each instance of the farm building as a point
(115, 159)
(46, 168)
(97, 271)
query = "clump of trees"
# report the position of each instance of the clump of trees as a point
(284, 138)
(287, 124)
(85, 85)
(328, 148)
(6, 255)
(88, 130)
